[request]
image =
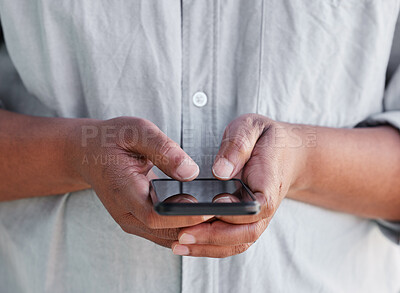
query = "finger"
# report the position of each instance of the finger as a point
(234, 198)
(130, 224)
(262, 175)
(225, 198)
(209, 250)
(246, 219)
(162, 151)
(139, 203)
(236, 219)
(222, 233)
(160, 241)
(181, 198)
(237, 144)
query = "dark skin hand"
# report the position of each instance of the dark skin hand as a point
(113, 157)
(123, 184)
(349, 170)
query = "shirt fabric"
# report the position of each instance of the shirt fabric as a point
(315, 62)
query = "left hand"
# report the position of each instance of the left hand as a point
(269, 157)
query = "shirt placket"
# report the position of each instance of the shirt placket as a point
(199, 120)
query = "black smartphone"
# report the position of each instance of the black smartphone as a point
(201, 197)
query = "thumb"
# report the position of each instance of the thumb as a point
(163, 152)
(237, 145)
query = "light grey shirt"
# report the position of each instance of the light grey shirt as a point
(320, 62)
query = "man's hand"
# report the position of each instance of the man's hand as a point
(116, 159)
(268, 157)
(354, 171)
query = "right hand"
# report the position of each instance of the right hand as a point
(116, 156)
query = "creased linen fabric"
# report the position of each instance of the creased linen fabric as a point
(319, 62)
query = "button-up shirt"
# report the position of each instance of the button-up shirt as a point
(191, 67)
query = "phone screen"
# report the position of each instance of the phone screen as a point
(203, 190)
(206, 196)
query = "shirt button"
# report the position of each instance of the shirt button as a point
(199, 99)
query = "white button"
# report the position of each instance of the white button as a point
(200, 99)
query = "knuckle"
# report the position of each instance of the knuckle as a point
(131, 131)
(243, 132)
(143, 125)
(126, 222)
(125, 228)
(238, 249)
(270, 206)
(249, 120)
(163, 150)
(165, 147)
(170, 233)
(149, 134)
(254, 121)
(238, 141)
(211, 234)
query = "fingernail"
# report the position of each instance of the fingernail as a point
(187, 239)
(180, 250)
(187, 169)
(222, 199)
(223, 168)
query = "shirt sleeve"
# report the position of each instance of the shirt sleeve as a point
(390, 116)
